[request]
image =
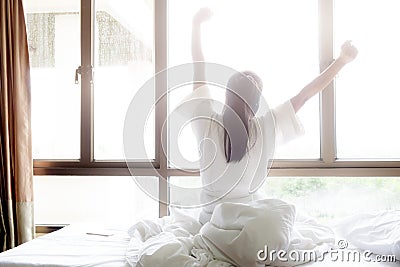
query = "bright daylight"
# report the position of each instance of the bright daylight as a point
(200, 133)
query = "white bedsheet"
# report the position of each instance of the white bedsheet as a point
(71, 246)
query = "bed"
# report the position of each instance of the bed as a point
(179, 240)
(72, 246)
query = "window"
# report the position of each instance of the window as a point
(124, 60)
(78, 111)
(87, 199)
(324, 198)
(367, 128)
(54, 48)
(115, 46)
(329, 198)
(266, 42)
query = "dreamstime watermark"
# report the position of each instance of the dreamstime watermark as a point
(339, 254)
(147, 102)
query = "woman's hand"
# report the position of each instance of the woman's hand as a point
(348, 53)
(202, 15)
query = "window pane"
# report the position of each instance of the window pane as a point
(123, 62)
(328, 198)
(54, 48)
(324, 198)
(182, 197)
(95, 199)
(188, 198)
(368, 89)
(265, 40)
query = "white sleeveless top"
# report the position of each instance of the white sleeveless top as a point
(236, 181)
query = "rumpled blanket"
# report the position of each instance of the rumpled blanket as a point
(377, 232)
(237, 235)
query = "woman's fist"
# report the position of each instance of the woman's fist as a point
(202, 15)
(349, 52)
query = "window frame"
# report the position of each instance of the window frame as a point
(327, 165)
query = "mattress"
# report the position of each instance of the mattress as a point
(72, 246)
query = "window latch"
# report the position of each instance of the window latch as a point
(78, 71)
(84, 70)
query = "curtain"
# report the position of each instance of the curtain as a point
(16, 167)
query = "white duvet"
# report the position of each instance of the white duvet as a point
(376, 232)
(235, 236)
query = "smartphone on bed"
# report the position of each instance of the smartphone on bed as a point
(100, 232)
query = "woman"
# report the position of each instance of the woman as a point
(236, 145)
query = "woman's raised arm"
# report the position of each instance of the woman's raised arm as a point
(201, 16)
(348, 54)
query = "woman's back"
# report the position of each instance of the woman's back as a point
(224, 181)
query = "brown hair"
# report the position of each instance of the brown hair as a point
(242, 100)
